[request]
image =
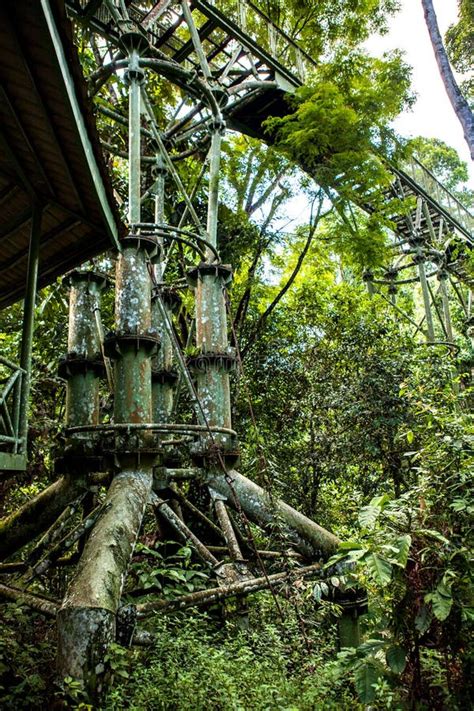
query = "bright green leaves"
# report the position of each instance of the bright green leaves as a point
(379, 569)
(441, 598)
(369, 514)
(340, 122)
(403, 549)
(338, 133)
(374, 556)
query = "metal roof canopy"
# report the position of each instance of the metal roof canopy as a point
(50, 153)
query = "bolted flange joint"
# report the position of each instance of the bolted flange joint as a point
(148, 243)
(165, 376)
(116, 343)
(219, 271)
(83, 275)
(73, 364)
(419, 256)
(217, 125)
(206, 360)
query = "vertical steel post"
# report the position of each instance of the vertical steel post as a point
(88, 617)
(83, 366)
(443, 277)
(218, 129)
(349, 628)
(164, 376)
(134, 125)
(426, 301)
(28, 323)
(215, 358)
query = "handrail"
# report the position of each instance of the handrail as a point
(273, 45)
(10, 364)
(272, 38)
(10, 406)
(433, 187)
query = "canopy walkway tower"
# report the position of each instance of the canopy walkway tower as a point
(230, 71)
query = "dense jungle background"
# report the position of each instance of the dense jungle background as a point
(339, 408)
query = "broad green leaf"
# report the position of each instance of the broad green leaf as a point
(396, 658)
(368, 516)
(380, 570)
(423, 619)
(410, 436)
(434, 534)
(380, 501)
(440, 604)
(403, 544)
(324, 588)
(365, 676)
(371, 646)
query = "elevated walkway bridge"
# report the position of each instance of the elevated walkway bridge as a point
(56, 194)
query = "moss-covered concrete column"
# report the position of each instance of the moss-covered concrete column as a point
(164, 375)
(215, 358)
(83, 366)
(87, 619)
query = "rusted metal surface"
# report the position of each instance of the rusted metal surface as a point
(83, 365)
(41, 155)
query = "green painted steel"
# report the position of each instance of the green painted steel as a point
(28, 325)
(349, 629)
(12, 462)
(132, 401)
(83, 365)
(212, 375)
(164, 385)
(76, 109)
(133, 290)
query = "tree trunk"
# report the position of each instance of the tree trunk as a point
(37, 515)
(307, 536)
(459, 103)
(87, 618)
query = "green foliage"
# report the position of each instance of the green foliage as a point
(170, 573)
(322, 26)
(338, 128)
(26, 658)
(460, 44)
(194, 664)
(412, 554)
(444, 162)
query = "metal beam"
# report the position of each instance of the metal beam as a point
(81, 127)
(28, 323)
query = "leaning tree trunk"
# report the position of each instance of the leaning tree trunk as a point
(38, 514)
(459, 103)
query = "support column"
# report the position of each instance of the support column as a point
(164, 376)
(83, 365)
(28, 323)
(216, 358)
(419, 259)
(88, 617)
(443, 278)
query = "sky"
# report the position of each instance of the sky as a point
(432, 115)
